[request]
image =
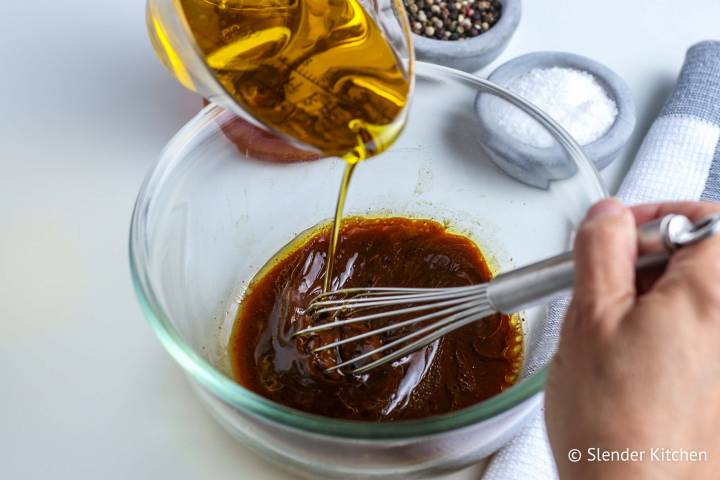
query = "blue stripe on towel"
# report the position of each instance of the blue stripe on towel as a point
(697, 92)
(712, 186)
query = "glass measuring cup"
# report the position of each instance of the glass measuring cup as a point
(304, 56)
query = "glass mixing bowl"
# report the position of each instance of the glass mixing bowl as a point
(210, 214)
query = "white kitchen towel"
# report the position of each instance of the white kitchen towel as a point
(678, 160)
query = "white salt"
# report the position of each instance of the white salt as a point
(572, 97)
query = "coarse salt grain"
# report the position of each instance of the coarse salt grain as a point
(572, 97)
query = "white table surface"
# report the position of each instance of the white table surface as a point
(86, 391)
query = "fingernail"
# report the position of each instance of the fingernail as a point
(605, 208)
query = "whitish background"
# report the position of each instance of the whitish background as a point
(85, 389)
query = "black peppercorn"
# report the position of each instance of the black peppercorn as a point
(450, 19)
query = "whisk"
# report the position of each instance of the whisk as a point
(452, 308)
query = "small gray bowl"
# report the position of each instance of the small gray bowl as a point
(474, 53)
(535, 165)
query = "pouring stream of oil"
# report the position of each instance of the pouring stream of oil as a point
(319, 72)
(337, 223)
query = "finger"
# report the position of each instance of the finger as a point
(605, 253)
(693, 210)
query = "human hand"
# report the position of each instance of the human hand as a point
(638, 371)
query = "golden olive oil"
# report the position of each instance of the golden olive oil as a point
(321, 72)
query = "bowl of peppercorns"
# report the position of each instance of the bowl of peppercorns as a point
(462, 34)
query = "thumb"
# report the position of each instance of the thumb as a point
(605, 254)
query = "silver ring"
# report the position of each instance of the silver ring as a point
(704, 228)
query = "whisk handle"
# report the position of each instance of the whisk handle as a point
(532, 285)
(540, 282)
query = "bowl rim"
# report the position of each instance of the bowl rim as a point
(238, 396)
(601, 150)
(500, 33)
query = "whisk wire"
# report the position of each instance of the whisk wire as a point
(395, 326)
(373, 316)
(326, 306)
(411, 347)
(449, 321)
(373, 290)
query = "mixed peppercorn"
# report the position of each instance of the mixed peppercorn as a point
(452, 20)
